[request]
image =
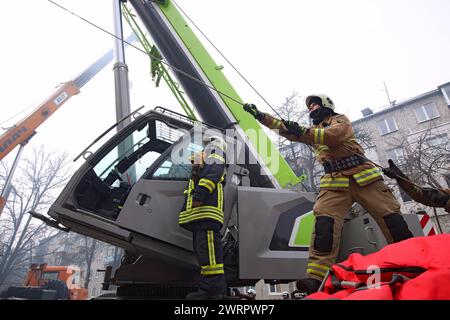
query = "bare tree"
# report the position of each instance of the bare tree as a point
(424, 159)
(363, 135)
(89, 252)
(33, 189)
(81, 251)
(301, 156)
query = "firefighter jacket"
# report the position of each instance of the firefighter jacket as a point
(413, 269)
(333, 140)
(205, 186)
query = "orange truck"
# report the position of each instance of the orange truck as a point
(44, 282)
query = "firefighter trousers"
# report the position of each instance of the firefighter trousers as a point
(331, 208)
(209, 252)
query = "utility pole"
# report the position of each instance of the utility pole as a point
(120, 69)
(122, 89)
(387, 93)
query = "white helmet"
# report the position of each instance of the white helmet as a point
(215, 140)
(322, 99)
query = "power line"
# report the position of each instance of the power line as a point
(148, 54)
(226, 59)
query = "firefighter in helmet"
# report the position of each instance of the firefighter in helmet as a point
(428, 196)
(349, 177)
(202, 213)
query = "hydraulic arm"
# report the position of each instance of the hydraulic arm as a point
(181, 48)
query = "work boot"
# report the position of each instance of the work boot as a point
(203, 295)
(308, 285)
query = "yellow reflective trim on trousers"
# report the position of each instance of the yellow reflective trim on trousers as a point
(199, 217)
(220, 196)
(317, 273)
(215, 266)
(218, 215)
(212, 269)
(206, 273)
(208, 184)
(201, 209)
(212, 254)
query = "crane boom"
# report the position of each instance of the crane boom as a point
(180, 46)
(23, 131)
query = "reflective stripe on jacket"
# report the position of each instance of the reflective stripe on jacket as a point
(333, 139)
(206, 188)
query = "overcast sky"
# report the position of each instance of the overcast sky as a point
(344, 48)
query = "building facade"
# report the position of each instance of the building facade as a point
(415, 135)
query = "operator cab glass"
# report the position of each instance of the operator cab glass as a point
(151, 149)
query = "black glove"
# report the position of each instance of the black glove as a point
(435, 196)
(294, 128)
(251, 108)
(393, 171)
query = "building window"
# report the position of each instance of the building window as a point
(273, 289)
(437, 140)
(427, 112)
(446, 93)
(396, 154)
(387, 125)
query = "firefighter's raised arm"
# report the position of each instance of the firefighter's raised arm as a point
(289, 129)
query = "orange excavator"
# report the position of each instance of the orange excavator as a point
(23, 131)
(44, 282)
